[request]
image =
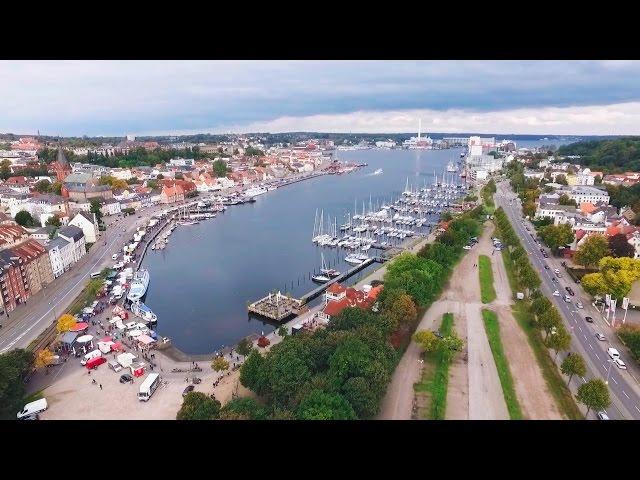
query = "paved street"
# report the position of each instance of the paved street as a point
(625, 391)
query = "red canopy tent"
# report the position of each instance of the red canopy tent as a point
(78, 327)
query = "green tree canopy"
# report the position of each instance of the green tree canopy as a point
(556, 236)
(25, 219)
(243, 408)
(319, 405)
(14, 365)
(573, 365)
(198, 406)
(220, 168)
(594, 395)
(592, 250)
(427, 340)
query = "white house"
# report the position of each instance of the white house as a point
(121, 173)
(110, 207)
(87, 222)
(584, 194)
(60, 255)
(75, 236)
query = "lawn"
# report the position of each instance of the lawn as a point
(492, 327)
(435, 377)
(487, 292)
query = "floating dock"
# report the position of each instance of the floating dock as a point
(276, 306)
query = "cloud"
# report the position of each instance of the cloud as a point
(119, 97)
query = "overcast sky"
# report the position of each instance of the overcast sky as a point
(181, 97)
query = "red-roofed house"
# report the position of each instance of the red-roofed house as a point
(337, 298)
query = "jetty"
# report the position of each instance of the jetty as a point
(276, 306)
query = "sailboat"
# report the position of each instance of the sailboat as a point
(324, 276)
(330, 272)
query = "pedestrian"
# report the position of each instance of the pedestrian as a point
(93, 381)
(100, 386)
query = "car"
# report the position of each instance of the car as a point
(567, 298)
(588, 319)
(613, 353)
(126, 378)
(554, 279)
(542, 250)
(114, 256)
(620, 364)
(602, 416)
(568, 289)
(559, 275)
(600, 337)
(545, 255)
(466, 247)
(564, 264)
(188, 388)
(556, 271)
(579, 304)
(556, 293)
(438, 334)
(546, 267)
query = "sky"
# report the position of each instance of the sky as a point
(116, 98)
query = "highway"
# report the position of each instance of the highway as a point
(623, 385)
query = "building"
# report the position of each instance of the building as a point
(11, 235)
(75, 236)
(337, 298)
(38, 265)
(110, 207)
(60, 167)
(484, 162)
(14, 289)
(61, 255)
(584, 194)
(89, 225)
(181, 162)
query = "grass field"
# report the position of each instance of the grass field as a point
(435, 377)
(487, 292)
(492, 327)
(557, 386)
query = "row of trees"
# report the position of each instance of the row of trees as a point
(594, 394)
(342, 372)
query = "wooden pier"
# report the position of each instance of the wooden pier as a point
(276, 306)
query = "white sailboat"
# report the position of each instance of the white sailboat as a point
(330, 272)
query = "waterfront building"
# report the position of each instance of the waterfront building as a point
(337, 298)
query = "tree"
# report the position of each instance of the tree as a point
(559, 339)
(620, 247)
(65, 322)
(14, 365)
(615, 277)
(96, 209)
(44, 358)
(529, 208)
(253, 374)
(283, 332)
(219, 364)
(220, 168)
(56, 188)
(573, 365)
(592, 250)
(449, 345)
(529, 278)
(152, 184)
(25, 219)
(198, 406)
(364, 400)
(113, 182)
(565, 200)
(594, 395)
(403, 311)
(5, 169)
(53, 221)
(427, 340)
(319, 405)
(555, 236)
(561, 179)
(244, 347)
(42, 186)
(243, 409)
(549, 320)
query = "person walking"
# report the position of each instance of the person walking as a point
(100, 386)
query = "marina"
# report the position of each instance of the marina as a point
(265, 246)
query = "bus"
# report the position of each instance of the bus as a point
(149, 386)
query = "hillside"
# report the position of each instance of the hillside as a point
(614, 155)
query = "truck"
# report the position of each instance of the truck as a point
(148, 387)
(95, 362)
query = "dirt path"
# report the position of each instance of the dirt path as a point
(531, 389)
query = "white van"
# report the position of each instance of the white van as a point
(613, 353)
(114, 256)
(33, 408)
(94, 274)
(115, 366)
(90, 355)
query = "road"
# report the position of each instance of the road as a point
(27, 321)
(622, 384)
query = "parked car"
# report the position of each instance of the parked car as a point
(467, 247)
(613, 353)
(620, 364)
(556, 293)
(126, 378)
(567, 298)
(578, 304)
(546, 267)
(588, 319)
(554, 279)
(559, 275)
(556, 271)
(602, 416)
(570, 291)
(187, 389)
(600, 337)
